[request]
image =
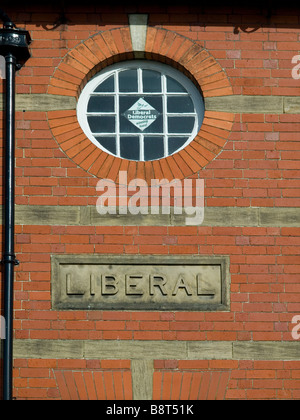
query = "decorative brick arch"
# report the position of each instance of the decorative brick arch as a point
(114, 45)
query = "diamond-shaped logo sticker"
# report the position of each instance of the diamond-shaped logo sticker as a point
(141, 114)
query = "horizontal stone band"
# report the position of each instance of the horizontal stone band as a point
(254, 104)
(232, 103)
(41, 102)
(213, 216)
(151, 350)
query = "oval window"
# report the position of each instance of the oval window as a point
(140, 110)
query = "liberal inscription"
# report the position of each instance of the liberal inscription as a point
(140, 283)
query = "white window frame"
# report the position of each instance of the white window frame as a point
(140, 65)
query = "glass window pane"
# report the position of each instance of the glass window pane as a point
(130, 147)
(174, 86)
(180, 104)
(181, 124)
(126, 102)
(107, 86)
(155, 102)
(175, 143)
(151, 81)
(156, 126)
(128, 81)
(101, 104)
(109, 143)
(153, 147)
(101, 124)
(128, 126)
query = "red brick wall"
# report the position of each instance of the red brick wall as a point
(219, 379)
(172, 380)
(258, 167)
(73, 379)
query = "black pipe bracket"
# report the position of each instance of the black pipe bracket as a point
(10, 259)
(15, 41)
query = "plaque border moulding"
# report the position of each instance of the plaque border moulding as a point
(66, 296)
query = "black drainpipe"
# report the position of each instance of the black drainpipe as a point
(14, 47)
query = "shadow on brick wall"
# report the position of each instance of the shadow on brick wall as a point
(58, 14)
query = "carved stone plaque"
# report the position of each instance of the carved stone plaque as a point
(156, 283)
